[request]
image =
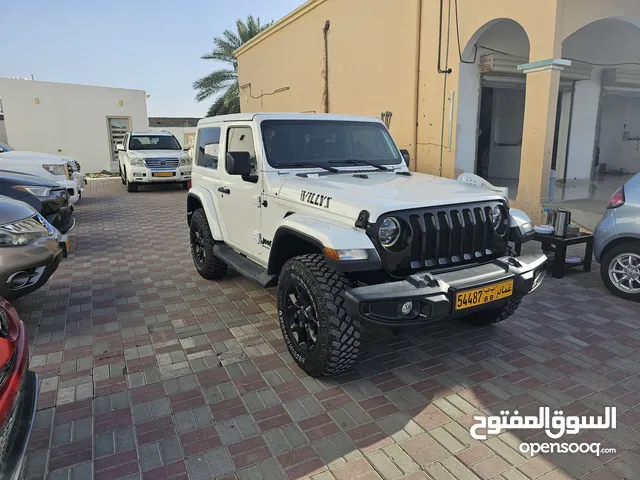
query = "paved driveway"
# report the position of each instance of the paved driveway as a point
(148, 371)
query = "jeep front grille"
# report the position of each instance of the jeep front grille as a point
(161, 163)
(444, 237)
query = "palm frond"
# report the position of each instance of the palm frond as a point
(214, 83)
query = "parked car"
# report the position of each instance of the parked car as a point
(617, 241)
(18, 393)
(51, 167)
(30, 249)
(325, 207)
(78, 176)
(48, 198)
(153, 157)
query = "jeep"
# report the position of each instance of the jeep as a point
(325, 207)
(152, 157)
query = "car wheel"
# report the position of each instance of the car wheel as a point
(320, 336)
(207, 264)
(493, 315)
(122, 176)
(185, 185)
(131, 186)
(620, 271)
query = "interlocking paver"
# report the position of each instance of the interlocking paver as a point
(143, 362)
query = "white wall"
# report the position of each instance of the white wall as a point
(3, 132)
(185, 135)
(467, 119)
(68, 120)
(506, 129)
(583, 128)
(620, 113)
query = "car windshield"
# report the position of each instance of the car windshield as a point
(304, 143)
(4, 147)
(153, 142)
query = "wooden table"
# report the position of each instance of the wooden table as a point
(558, 245)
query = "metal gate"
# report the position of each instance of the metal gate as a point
(118, 128)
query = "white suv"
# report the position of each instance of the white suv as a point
(325, 206)
(152, 157)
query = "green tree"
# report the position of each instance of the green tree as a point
(223, 83)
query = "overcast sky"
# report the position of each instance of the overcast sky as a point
(152, 45)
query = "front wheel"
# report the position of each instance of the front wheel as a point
(122, 176)
(320, 336)
(207, 264)
(493, 315)
(620, 271)
(185, 185)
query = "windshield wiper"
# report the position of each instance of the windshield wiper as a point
(309, 165)
(360, 163)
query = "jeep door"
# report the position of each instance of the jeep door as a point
(239, 196)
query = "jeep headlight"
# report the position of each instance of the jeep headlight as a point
(138, 162)
(55, 168)
(24, 231)
(500, 220)
(389, 232)
(185, 161)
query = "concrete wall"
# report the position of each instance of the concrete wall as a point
(583, 129)
(68, 120)
(185, 135)
(3, 132)
(620, 113)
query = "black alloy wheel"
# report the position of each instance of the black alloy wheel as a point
(300, 319)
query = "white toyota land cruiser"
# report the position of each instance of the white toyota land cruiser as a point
(325, 206)
(152, 157)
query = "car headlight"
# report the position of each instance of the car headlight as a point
(138, 162)
(55, 168)
(389, 232)
(24, 231)
(33, 190)
(499, 220)
(185, 161)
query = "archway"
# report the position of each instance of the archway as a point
(491, 95)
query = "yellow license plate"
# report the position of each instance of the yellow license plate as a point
(480, 296)
(163, 174)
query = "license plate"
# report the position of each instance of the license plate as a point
(480, 296)
(164, 174)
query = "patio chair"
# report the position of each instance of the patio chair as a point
(477, 181)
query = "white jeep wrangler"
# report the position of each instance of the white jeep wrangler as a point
(325, 207)
(152, 157)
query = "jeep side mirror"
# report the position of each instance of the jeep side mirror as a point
(406, 156)
(120, 147)
(238, 163)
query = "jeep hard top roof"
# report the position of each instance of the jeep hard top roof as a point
(248, 117)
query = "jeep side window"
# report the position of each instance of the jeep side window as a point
(240, 139)
(208, 146)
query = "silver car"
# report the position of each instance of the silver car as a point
(30, 249)
(617, 241)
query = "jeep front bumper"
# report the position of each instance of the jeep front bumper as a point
(433, 297)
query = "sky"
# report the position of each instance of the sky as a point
(151, 45)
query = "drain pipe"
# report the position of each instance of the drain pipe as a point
(417, 99)
(325, 96)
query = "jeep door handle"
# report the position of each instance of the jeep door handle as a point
(224, 190)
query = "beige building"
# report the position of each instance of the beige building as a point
(506, 89)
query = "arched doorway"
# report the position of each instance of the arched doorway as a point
(491, 100)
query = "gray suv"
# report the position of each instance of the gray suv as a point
(617, 241)
(30, 249)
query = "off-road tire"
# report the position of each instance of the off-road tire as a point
(493, 315)
(185, 185)
(338, 334)
(628, 247)
(212, 268)
(124, 182)
(132, 187)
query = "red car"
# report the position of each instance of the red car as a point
(18, 393)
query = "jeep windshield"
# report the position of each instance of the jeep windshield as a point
(335, 143)
(153, 142)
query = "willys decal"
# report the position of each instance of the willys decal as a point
(315, 199)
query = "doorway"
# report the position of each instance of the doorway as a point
(118, 128)
(484, 139)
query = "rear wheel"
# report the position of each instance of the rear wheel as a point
(207, 264)
(493, 315)
(320, 336)
(620, 271)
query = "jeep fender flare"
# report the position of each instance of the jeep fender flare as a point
(323, 234)
(203, 197)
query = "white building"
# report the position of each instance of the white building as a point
(76, 121)
(183, 128)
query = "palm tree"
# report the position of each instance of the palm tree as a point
(224, 82)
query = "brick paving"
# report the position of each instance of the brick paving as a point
(150, 372)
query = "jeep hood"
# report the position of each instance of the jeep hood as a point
(346, 195)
